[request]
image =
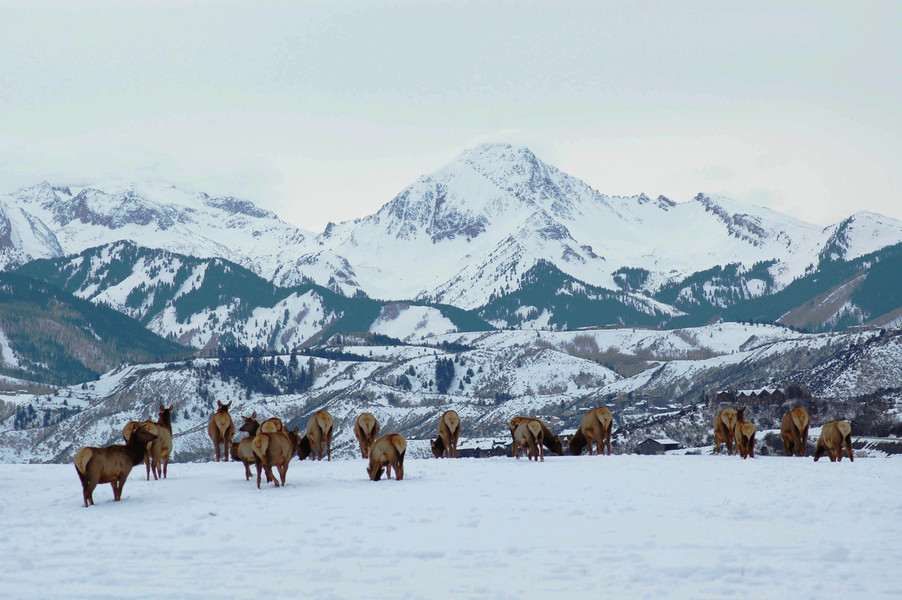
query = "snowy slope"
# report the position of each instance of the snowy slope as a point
(24, 237)
(201, 302)
(160, 216)
(455, 528)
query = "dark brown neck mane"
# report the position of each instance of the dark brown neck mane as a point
(135, 449)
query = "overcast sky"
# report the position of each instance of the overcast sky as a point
(324, 111)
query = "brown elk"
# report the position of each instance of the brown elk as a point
(834, 436)
(317, 440)
(274, 449)
(243, 450)
(221, 430)
(445, 446)
(387, 453)
(595, 426)
(724, 429)
(528, 437)
(111, 464)
(366, 428)
(150, 426)
(161, 448)
(550, 441)
(745, 435)
(794, 431)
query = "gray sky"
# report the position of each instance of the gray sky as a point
(324, 110)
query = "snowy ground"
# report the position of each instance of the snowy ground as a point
(624, 526)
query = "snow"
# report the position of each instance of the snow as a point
(8, 357)
(408, 323)
(649, 526)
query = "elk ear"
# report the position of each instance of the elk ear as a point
(254, 415)
(219, 404)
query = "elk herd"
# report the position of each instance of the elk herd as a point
(270, 445)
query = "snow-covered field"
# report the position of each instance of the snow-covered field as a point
(621, 526)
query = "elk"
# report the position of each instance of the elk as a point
(550, 441)
(745, 435)
(834, 435)
(318, 438)
(528, 436)
(387, 453)
(595, 426)
(794, 431)
(724, 429)
(243, 450)
(366, 428)
(111, 464)
(150, 426)
(221, 430)
(445, 446)
(274, 449)
(161, 448)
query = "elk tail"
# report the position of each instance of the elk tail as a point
(845, 428)
(82, 458)
(452, 423)
(261, 445)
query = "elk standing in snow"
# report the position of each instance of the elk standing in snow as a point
(724, 429)
(387, 453)
(794, 431)
(274, 449)
(161, 448)
(111, 464)
(221, 430)
(550, 441)
(445, 446)
(318, 438)
(595, 426)
(366, 428)
(528, 437)
(834, 436)
(745, 435)
(243, 449)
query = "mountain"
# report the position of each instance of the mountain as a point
(206, 302)
(476, 229)
(46, 335)
(161, 216)
(24, 237)
(489, 224)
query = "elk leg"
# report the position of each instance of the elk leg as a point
(247, 470)
(270, 476)
(165, 468)
(399, 471)
(283, 471)
(259, 468)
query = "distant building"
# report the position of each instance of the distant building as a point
(657, 446)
